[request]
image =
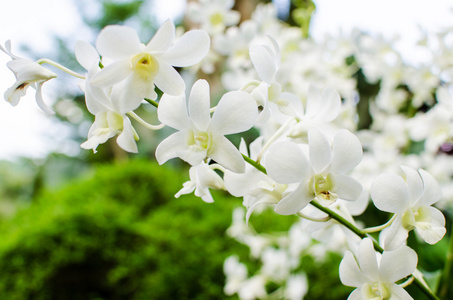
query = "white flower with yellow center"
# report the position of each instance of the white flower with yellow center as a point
(373, 275)
(106, 104)
(199, 136)
(322, 177)
(143, 66)
(213, 15)
(410, 197)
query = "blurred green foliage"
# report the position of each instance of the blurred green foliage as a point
(118, 235)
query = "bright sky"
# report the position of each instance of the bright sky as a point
(25, 130)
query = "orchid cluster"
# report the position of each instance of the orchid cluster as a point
(311, 157)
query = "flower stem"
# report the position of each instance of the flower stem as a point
(152, 102)
(314, 219)
(379, 228)
(277, 134)
(144, 123)
(254, 163)
(446, 282)
(57, 65)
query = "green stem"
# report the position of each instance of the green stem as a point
(445, 285)
(152, 102)
(61, 67)
(254, 163)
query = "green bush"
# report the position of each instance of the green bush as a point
(118, 235)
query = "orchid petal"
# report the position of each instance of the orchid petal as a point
(172, 111)
(286, 163)
(397, 264)
(294, 201)
(432, 192)
(112, 74)
(263, 61)
(40, 101)
(346, 187)
(235, 112)
(350, 274)
(226, 154)
(395, 235)
(199, 104)
(118, 42)
(319, 150)
(163, 38)
(366, 257)
(434, 230)
(190, 49)
(346, 152)
(171, 146)
(414, 183)
(168, 80)
(86, 54)
(389, 193)
(126, 140)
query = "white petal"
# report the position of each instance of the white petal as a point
(347, 152)
(390, 193)
(350, 274)
(435, 230)
(432, 192)
(356, 295)
(331, 105)
(235, 112)
(118, 42)
(286, 163)
(397, 264)
(86, 54)
(346, 187)
(394, 236)
(168, 80)
(172, 111)
(199, 104)
(126, 140)
(226, 154)
(319, 150)
(171, 146)
(313, 102)
(40, 101)
(263, 61)
(163, 38)
(190, 49)
(367, 259)
(414, 183)
(398, 293)
(240, 185)
(294, 201)
(112, 74)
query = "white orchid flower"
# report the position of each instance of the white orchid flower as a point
(199, 136)
(322, 177)
(374, 276)
(410, 197)
(142, 66)
(202, 178)
(256, 187)
(106, 105)
(213, 15)
(28, 73)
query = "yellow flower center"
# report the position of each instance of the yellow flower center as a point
(321, 186)
(200, 141)
(145, 66)
(216, 18)
(375, 291)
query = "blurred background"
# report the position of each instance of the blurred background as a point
(78, 225)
